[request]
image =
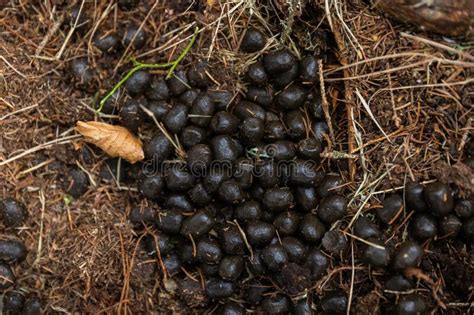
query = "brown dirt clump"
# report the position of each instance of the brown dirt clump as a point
(458, 174)
(454, 265)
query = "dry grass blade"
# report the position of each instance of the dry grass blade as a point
(40, 147)
(244, 237)
(124, 54)
(24, 109)
(116, 141)
(179, 150)
(364, 241)
(13, 68)
(463, 54)
(369, 111)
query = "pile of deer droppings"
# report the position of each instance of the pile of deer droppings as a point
(236, 207)
(13, 214)
(237, 195)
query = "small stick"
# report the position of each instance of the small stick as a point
(348, 99)
(245, 239)
(91, 178)
(194, 245)
(5, 101)
(368, 60)
(395, 117)
(190, 276)
(13, 68)
(41, 147)
(31, 169)
(325, 101)
(338, 155)
(160, 260)
(438, 45)
(40, 239)
(19, 111)
(412, 272)
(48, 36)
(167, 46)
(397, 215)
(106, 12)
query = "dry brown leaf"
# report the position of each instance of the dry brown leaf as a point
(116, 141)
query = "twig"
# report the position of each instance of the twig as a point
(411, 65)
(7, 102)
(214, 36)
(91, 178)
(106, 12)
(40, 238)
(325, 101)
(395, 117)
(374, 184)
(365, 175)
(323, 281)
(351, 290)
(172, 42)
(69, 35)
(244, 238)
(41, 147)
(167, 46)
(350, 36)
(338, 155)
(19, 111)
(438, 45)
(50, 33)
(384, 57)
(349, 104)
(328, 14)
(12, 67)
(37, 166)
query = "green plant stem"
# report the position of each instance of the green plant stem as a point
(183, 53)
(136, 68)
(139, 66)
